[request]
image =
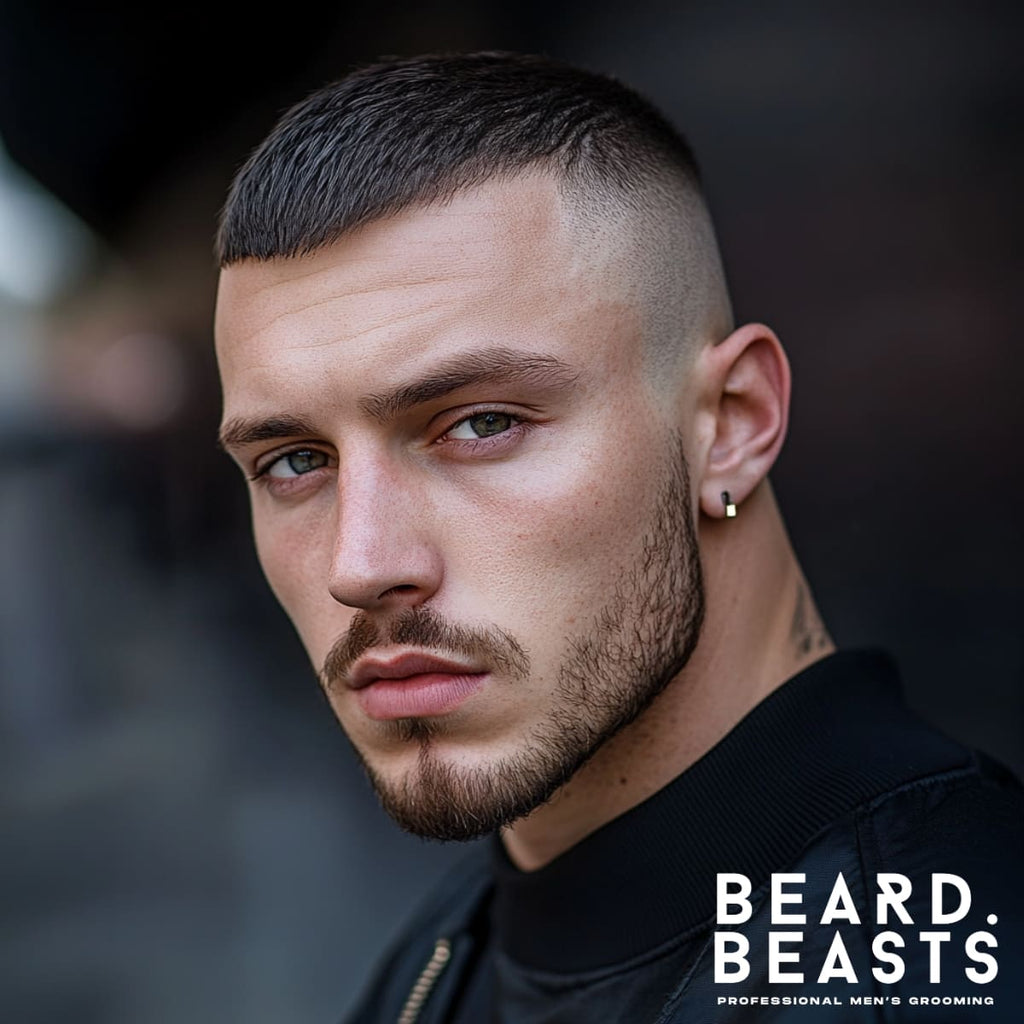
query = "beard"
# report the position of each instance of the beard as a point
(635, 645)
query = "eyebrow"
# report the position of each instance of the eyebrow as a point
(239, 431)
(489, 366)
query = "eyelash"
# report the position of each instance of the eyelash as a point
(261, 473)
(519, 427)
(493, 443)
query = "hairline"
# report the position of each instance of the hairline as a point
(581, 191)
(595, 209)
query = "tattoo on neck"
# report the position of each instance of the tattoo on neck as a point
(808, 631)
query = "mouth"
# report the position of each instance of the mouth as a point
(413, 685)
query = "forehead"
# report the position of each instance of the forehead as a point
(498, 265)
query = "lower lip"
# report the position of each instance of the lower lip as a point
(431, 693)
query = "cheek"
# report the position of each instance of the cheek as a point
(549, 550)
(294, 555)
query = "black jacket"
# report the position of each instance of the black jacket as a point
(830, 775)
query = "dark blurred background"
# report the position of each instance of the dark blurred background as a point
(185, 835)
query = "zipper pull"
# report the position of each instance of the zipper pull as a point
(425, 982)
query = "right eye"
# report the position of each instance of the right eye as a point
(296, 463)
(482, 425)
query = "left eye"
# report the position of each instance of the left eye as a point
(296, 464)
(483, 424)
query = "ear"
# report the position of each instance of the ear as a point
(746, 410)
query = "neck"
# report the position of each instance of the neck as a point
(761, 627)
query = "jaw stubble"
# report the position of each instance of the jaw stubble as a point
(634, 646)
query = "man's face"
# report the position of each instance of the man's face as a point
(469, 495)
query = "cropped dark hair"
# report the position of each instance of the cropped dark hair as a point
(409, 132)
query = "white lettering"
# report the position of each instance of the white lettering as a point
(939, 882)
(840, 906)
(737, 956)
(738, 897)
(837, 963)
(893, 892)
(974, 940)
(780, 898)
(776, 957)
(879, 952)
(935, 940)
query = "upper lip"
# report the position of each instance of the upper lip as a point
(368, 670)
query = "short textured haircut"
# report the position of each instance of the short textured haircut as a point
(408, 133)
(411, 132)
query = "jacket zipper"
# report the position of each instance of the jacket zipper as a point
(425, 982)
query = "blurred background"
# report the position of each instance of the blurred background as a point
(185, 835)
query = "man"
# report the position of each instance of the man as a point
(508, 458)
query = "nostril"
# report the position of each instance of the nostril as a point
(402, 588)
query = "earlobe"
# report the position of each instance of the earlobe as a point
(748, 398)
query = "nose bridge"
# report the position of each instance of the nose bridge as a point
(382, 548)
(362, 497)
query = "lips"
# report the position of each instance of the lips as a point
(368, 671)
(413, 685)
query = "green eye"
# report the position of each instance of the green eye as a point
(297, 463)
(483, 424)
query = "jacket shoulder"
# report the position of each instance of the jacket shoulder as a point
(973, 817)
(446, 913)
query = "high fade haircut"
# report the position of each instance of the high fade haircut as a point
(405, 133)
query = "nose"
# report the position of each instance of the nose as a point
(383, 557)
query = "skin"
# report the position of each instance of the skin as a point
(529, 530)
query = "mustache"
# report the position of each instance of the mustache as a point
(423, 627)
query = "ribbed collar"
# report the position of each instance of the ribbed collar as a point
(829, 739)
